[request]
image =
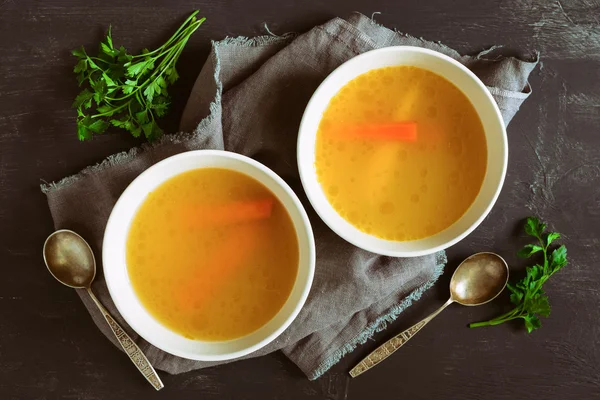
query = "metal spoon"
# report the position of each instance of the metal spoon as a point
(477, 280)
(71, 261)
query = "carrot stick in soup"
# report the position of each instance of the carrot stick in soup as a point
(396, 131)
(229, 213)
(226, 259)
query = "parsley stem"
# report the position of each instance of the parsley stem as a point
(173, 38)
(168, 59)
(111, 111)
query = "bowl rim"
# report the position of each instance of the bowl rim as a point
(305, 228)
(348, 65)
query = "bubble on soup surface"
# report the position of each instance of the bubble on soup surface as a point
(369, 114)
(402, 154)
(431, 112)
(364, 95)
(424, 172)
(424, 188)
(453, 178)
(415, 198)
(333, 190)
(429, 229)
(387, 207)
(455, 146)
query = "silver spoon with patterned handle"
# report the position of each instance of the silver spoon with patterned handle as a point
(477, 280)
(71, 261)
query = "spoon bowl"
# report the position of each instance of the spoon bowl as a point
(71, 261)
(479, 279)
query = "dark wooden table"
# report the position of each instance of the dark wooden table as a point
(49, 346)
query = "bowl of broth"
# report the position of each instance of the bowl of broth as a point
(402, 151)
(208, 255)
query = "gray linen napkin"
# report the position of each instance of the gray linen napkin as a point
(249, 98)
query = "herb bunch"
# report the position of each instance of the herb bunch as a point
(528, 296)
(128, 91)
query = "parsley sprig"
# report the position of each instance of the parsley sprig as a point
(528, 295)
(128, 91)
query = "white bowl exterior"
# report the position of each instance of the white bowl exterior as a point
(121, 289)
(469, 84)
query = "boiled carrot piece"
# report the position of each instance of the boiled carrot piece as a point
(230, 213)
(401, 131)
(225, 260)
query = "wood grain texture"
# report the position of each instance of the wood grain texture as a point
(50, 348)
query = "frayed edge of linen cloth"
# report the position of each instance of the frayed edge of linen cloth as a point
(382, 322)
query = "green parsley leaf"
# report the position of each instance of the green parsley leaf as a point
(529, 250)
(135, 130)
(558, 258)
(79, 52)
(160, 105)
(108, 80)
(106, 49)
(142, 117)
(81, 66)
(106, 110)
(98, 126)
(152, 89)
(137, 69)
(82, 98)
(123, 57)
(532, 322)
(83, 133)
(552, 236)
(172, 75)
(109, 41)
(534, 227)
(129, 86)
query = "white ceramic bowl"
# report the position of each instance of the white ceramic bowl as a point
(121, 290)
(479, 96)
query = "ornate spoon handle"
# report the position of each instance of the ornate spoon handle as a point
(389, 347)
(132, 350)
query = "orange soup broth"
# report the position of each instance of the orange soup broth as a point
(206, 261)
(401, 189)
